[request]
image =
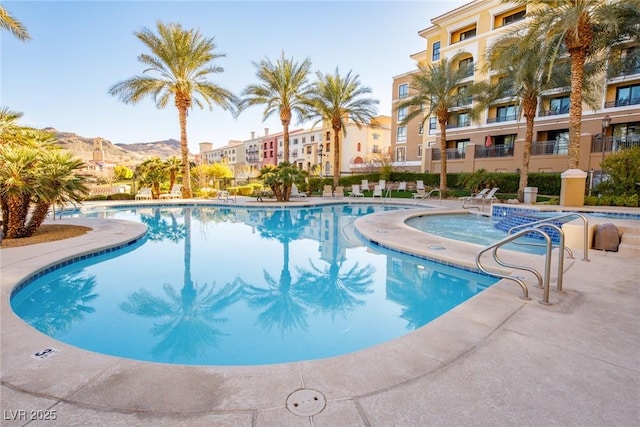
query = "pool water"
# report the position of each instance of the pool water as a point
(471, 228)
(242, 286)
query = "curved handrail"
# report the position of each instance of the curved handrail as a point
(541, 281)
(585, 256)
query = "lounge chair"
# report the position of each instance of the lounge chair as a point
(383, 184)
(339, 191)
(327, 191)
(144, 194)
(377, 191)
(483, 197)
(175, 193)
(491, 196)
(225, 195)
(364, 185)
(419, 194)
(295, 192)
(420, 185)
(355, 191)
(402, 186)
(475, 197)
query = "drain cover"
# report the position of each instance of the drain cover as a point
(437, 248)
(306, 402)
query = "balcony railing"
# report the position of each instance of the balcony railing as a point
(630, 71)
(553, 112)
(461, 124)
(614, 143)
(622, 102)
(452, 154)
(550, 148)
(494, 151)
(509, 118)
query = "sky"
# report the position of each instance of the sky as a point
(79, 49)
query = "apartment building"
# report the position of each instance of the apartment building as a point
(495, 140)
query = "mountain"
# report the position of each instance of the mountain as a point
(82, 147)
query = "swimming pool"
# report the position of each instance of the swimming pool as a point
(242, 286)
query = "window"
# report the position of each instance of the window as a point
(420, 128)
(401, 135)
(515, 17)
(308, 149)
(467, 65)
(402, 113)
(295, 141)
(420, 150)
(463, 98)
(433, 122)
(464, 120)
(506, 113)
(628, 95)
(328, 137)
(468, 34)
(312, 138)
(304, 139)
(376, 136)
(559, 105)
(359, 147)
(403, 90)
(435, 55)
(400, 154)
(328, 147)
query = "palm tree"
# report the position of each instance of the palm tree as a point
(525, 79)
(11, 24)
(183, 61)
(152, 172)
(439, 88)
(173, 166)
(586, 28)
(337, 99)
(283, 89)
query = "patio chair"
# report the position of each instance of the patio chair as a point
(419, 194)
(327, 191)
(355, 191)
(144, 194)
(475, 197)
(295, 192)
(402, 186)
(175, 193)
(420, 185)
(383, 184)
(377, 191)
(339, 191)
(490, 197)
(364, 185)
(225, 195)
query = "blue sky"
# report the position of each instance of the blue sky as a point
(81, 48)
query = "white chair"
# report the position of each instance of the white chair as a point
(355, 191)
(295, 192)
(339, 192)
(327, 191)
(377, 191)
(402, 186)
(144, 194)
(475, 197)
(175, 193)
(225, 195)
(383, 184)
(420, 185)
(364, 185)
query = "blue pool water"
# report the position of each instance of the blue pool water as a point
(471, 228)
(242, 286)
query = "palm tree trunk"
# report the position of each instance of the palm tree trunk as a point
(184, 149)
(285, 148)
(336, 156)
(15, 220)
(529, 114)
(578, 59)
(37, 218)
(443, 154)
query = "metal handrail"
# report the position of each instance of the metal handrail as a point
(428, 195)
(542, 282)
(62, 209)
(585, 251)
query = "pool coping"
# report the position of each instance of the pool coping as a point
(115, 387)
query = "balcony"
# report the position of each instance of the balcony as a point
(614, 143)
(501, 119)
(451, 153)
(493, 151)
(622, 102)
(461, 124)
(545, 148)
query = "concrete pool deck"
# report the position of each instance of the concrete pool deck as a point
(494, 360)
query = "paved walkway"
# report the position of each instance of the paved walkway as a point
(494, 360)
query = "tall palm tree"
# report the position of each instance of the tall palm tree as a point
(11, 24)
(437, 87)
(337, 99)
(173, 166)
(586, 28)
(525, 80)
(283, 89)
(181, 61)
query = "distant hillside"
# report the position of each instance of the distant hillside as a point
(82, 147)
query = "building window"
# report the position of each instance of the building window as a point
(359, 147)
(466, 64)
(515, 17)
(402, 113)
(327, 147)
(328, 137)
(559, 105)
(308, 149)
(312, 138)
(304, 139)
(400, 154)
(420, 150)
(420, 128)
(295, 141)
(435, 55)
(401, 134)
(376, 136)
(506, 113)
(433, 122)
(403, 91)
(628, 95)
(465, 35)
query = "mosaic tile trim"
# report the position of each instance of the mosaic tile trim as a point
(64, 263)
